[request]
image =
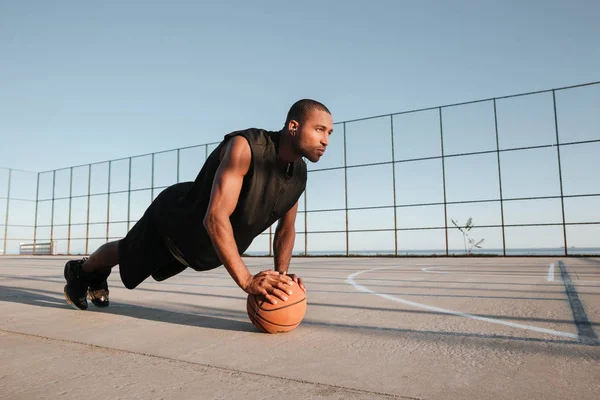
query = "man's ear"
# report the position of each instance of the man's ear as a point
(293, 127)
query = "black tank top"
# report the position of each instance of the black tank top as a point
(268, 191)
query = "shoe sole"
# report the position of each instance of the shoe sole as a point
(101, 305)
(70, 302)
(97, 303)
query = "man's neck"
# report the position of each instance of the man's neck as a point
(285, 153)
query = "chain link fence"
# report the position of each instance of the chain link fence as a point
(522, 169)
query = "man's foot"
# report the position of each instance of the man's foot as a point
(77, 285)
(98, 294)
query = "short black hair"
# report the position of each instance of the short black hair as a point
(302, 108)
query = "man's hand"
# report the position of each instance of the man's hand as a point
(297, 280)
(271, 284)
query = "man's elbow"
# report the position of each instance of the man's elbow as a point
(282, 232)
(210, 221)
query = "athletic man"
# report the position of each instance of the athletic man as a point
(251, 180)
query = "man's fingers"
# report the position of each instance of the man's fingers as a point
(301, 284)
(279, 294)
(268, 293)
(271, 299)
(275, 291)
(271, 272)
(286, 288)
(298, 281)
(286, 279)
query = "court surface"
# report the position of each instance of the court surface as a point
(375, 328)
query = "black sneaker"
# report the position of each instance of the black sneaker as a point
(77, 285)
(98, 294)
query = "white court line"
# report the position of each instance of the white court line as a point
(351, 281)
(430, 270)
(550, 274)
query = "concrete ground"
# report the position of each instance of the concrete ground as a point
(442, 328)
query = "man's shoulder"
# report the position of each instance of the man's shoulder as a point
(257, 136)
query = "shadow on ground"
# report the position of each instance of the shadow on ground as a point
(43, 298)
(234, 320)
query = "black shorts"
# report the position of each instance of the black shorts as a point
(143, 253)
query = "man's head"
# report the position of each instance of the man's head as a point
(309, 125)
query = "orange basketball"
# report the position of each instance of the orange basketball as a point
(277, 318)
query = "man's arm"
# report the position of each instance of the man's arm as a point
(285, 236)
(225, 193)
(283, 243)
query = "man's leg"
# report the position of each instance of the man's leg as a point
(103, 259)
(99, 266)
(88, 276)
(139, 254)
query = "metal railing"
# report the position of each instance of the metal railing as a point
(83, 206)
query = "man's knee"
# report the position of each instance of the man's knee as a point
(168, 271)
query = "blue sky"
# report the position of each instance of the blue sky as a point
(87, 82)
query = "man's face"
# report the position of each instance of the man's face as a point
(312, 136)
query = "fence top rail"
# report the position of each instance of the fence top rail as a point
(470, 102)
(343, 122)
(127, 158)
(17, 170)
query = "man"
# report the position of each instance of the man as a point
(251, 180)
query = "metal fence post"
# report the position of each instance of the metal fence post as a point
(7, 210)
(152, 188)
(35, 218)
(52, 210)
(129, 197)
(89, 196)
(346, 191)
(108, 202)
(70, 205)
(562, 198)
(178, 156)
(444, 178)
(500, 179)
(305, 225)
(394, 187)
